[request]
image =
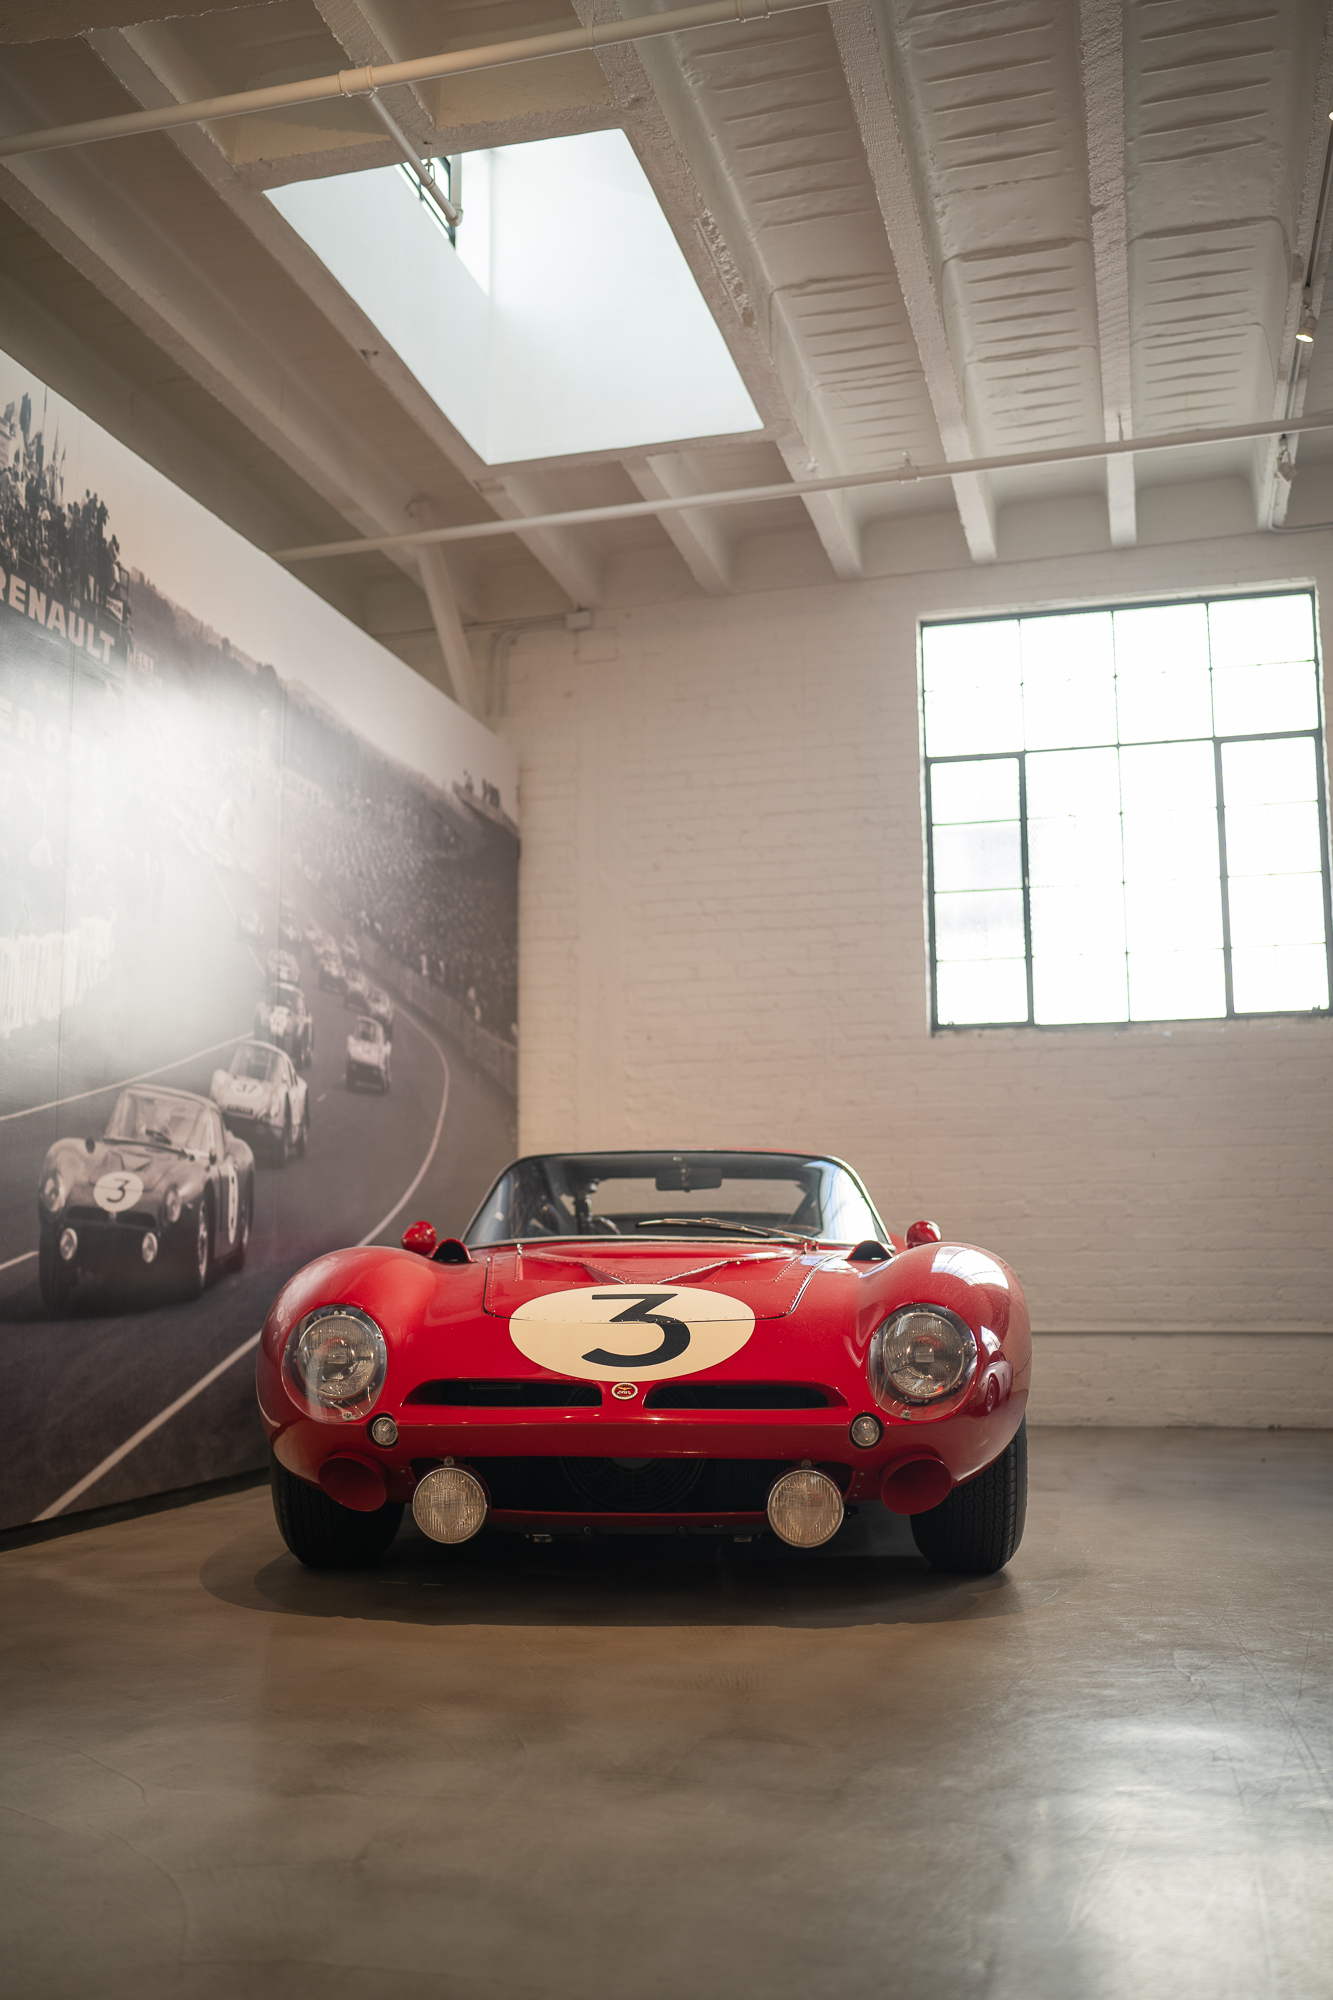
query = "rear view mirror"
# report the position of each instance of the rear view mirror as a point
(688, 1180)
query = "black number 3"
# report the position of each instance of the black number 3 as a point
(675, 1333)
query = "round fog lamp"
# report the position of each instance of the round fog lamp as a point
(148, 1246)
(866, 1431)
(384, 1431)
(805, 1508)
(449, 1504)
(69, 1243)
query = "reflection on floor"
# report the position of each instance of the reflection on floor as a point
(664, 1770)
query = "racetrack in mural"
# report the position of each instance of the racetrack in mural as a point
(200, 851)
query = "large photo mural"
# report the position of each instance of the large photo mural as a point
(258, 961)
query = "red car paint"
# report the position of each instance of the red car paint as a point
(814, 1314)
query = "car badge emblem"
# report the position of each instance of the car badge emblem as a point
(623, 1391)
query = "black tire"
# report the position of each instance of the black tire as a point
(237, 1262)
(283, 1151)
(55, 1281)
(303, 1133)
(323, 1535)
(351, 1080)
(977, 1529)
(199, 1254)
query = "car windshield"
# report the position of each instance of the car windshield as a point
(280, 996)
(644, 1195)
(367, 1031)
(159, 1117)
(255, 1061)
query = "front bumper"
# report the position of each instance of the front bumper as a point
(519, 1457)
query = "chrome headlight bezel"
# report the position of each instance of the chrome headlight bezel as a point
(53, 1192)
(171, 1205)
(306, 1358)
(892, 1382)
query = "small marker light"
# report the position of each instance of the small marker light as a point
(384, 1431)
(69, 1243)
(148, 1247)
(866, 1431)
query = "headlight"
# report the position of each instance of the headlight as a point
(334, 1362)
(53, 1192)
(920, 1354)
(171, 1207)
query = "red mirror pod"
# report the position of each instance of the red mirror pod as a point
(923, 1232)
(420, 1236)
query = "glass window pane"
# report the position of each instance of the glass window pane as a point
(1176, 986)
(1269, 774)
(984, 789)
(973, 698)
(1249, 699)
(1068, 681)
(1280, 979)
(1272, 840)
(1243, 630)
(1173, 913)
(988, 990)
(1277, 909)
(1163, 688)
(1078, 918)
(979, 857)
(979, 924)
(1084, 988)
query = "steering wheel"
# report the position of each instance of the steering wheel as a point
(546, 1220)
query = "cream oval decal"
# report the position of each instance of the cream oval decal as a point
(631, 1333)
(116, 1192)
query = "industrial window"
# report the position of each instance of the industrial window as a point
(1126, 815)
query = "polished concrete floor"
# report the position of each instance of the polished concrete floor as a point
(664, 1772)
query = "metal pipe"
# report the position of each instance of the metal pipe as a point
(796, 489)
(363, 82)
(420, 165)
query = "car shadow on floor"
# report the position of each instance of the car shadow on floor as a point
(868, 1575)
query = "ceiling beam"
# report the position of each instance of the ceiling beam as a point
(1102, 67)
(865, 61)
(438, 584)
(698, 537)
(559, 550)
(1309, 266)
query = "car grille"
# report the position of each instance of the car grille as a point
(705, 1486)
(736, 1396)
(96, 1218)
(476, 1394)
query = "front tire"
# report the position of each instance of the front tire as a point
(323, 1535)
(243, 1238)
(200, 1254)
(977, 1529)
(55, 1281)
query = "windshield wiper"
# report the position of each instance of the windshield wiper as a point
(725, 1228)
(160, 1138)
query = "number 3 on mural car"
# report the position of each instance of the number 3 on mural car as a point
(605, 1335)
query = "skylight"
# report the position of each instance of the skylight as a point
(566, 320)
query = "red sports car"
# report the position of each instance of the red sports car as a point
(643, 1342)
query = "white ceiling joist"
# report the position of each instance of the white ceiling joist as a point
(863, 59)
(1102, 51)
(696, 536)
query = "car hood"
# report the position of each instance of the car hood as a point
(767, 1282)
(153, 1167)
(365, 1051)
(247, 1090)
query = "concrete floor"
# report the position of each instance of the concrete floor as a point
(518, 1771)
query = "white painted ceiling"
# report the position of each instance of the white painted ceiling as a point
(941, 228)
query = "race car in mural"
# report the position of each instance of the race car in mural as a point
(369, 1056)
(729, 1344)
(164, 1196)
(283, 1018)
(380, 1008)
(264, 1099)
(283, 967)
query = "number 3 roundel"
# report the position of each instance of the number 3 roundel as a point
(626, 1333)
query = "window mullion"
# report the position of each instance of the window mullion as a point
(1027, 885)
(1223, 881)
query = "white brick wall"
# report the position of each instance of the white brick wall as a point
(722, 942)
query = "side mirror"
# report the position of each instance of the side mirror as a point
(420, 1236)
(91, 1144)
(921, 1233)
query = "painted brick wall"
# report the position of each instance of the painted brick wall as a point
(723, 942)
